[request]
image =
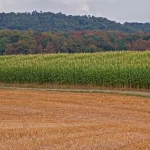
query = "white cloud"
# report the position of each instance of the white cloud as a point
(85, 9)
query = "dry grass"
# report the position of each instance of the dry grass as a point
(67, 86)
(42, 120)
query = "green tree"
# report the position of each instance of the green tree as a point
(3, 45)
(28, 43)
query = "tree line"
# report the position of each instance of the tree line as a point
(32, 42)
(45, 21)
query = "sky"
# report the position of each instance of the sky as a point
(117, 10)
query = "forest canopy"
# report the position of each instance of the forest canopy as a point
(45, 21)
(47, 32)
(32, 42)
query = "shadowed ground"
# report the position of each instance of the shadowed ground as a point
(50, 120)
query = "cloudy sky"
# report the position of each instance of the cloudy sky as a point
(118, 10)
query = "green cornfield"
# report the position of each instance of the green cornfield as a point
(107, 69)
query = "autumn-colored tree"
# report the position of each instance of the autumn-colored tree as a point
(31, 42)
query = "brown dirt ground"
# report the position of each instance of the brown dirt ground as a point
(45, 120)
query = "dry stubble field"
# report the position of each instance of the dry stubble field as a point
(44, 120)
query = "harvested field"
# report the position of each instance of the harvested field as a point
(45, 120)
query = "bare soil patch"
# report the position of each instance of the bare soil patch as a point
(46, 120)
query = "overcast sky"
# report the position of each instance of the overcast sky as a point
(118, 10)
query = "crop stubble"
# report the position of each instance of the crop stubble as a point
(64, 120)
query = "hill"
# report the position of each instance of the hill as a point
(45, 21)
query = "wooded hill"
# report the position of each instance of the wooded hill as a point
(45, 21)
